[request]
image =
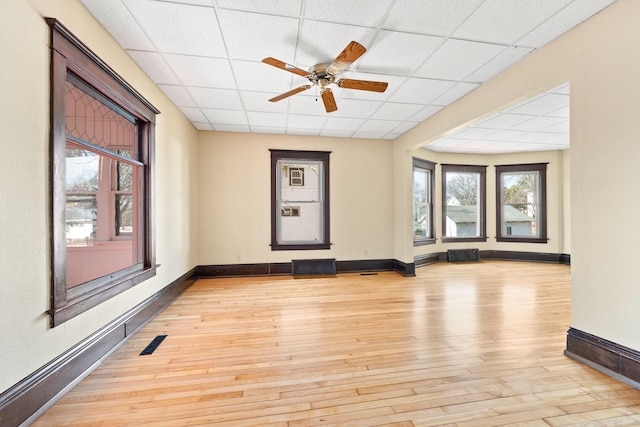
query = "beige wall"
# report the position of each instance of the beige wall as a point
(26, 341)
(235, 197)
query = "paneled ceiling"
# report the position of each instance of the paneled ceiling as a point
(206, 56)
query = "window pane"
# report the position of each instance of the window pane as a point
(520, 204)
(82, 169)
(300, 201)
(93, 121)
(124, 215)
(95, 215)
(81, 219)
(421, 203)
(462, 204)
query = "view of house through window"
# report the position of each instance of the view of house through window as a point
(463, 202)
(521, 200)
(300, 215)
(102, 184)
(423, 189)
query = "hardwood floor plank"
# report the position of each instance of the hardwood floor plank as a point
(469, 344)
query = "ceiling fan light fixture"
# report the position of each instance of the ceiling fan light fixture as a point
(322, 75)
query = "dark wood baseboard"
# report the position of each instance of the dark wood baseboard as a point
(285, 268)
(36, 393)
(426, 259)
(526, 256)
(406, 269)
(365, 265)
(613, 359)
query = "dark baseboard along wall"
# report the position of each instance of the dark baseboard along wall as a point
(26, 400)
(605, 356)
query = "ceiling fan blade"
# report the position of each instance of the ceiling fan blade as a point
(362, 85)
(284, 66)
(289, 93)
(329, 100)
(353, 51)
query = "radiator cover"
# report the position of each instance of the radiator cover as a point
(463, 255)
(305, 267)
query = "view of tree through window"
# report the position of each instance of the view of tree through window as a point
(521, 202)
(463, 202)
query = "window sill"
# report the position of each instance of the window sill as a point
(463, 239)
(521, 239)
(91, 298)
(301, 247)
(423, 242)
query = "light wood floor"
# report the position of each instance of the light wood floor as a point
(477, 344)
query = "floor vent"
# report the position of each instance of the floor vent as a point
(463, 255)
(306, 267)
(153, 345)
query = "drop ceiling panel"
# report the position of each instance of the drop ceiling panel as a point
(505, 21)
(272, 7)
(398, 53)
(455, 93)
(300, 121)
(253, 36)
(257, 101)
(228, 99)
(323, 42)
(262, 77)
(456, 59)
(170, 27)
(221, 117)
(421, 91)
(501, 62)
(435, 17)
(393, 111)
(542, 104)
(267, 119)
(117, 20)
(206, 57)
(202, 72)
(343, 124)
(565, 19)
(354, 12)
(178, 95)
(155, 66)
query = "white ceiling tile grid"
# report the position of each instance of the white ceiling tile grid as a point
(205, 55)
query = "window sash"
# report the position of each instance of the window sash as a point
(72, 61)
(423, 206)
(521, 203)
(300, 200)
(463, 203)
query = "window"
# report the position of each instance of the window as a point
(521, 203)
(300, 200)
(463, 203)
(423, 191)
(101, 180)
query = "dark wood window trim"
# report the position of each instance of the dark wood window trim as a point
(430, 166)
(482, 170)
(69, 56)
(322, 156)
(541, 168)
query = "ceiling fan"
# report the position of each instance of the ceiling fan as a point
(322, 75)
